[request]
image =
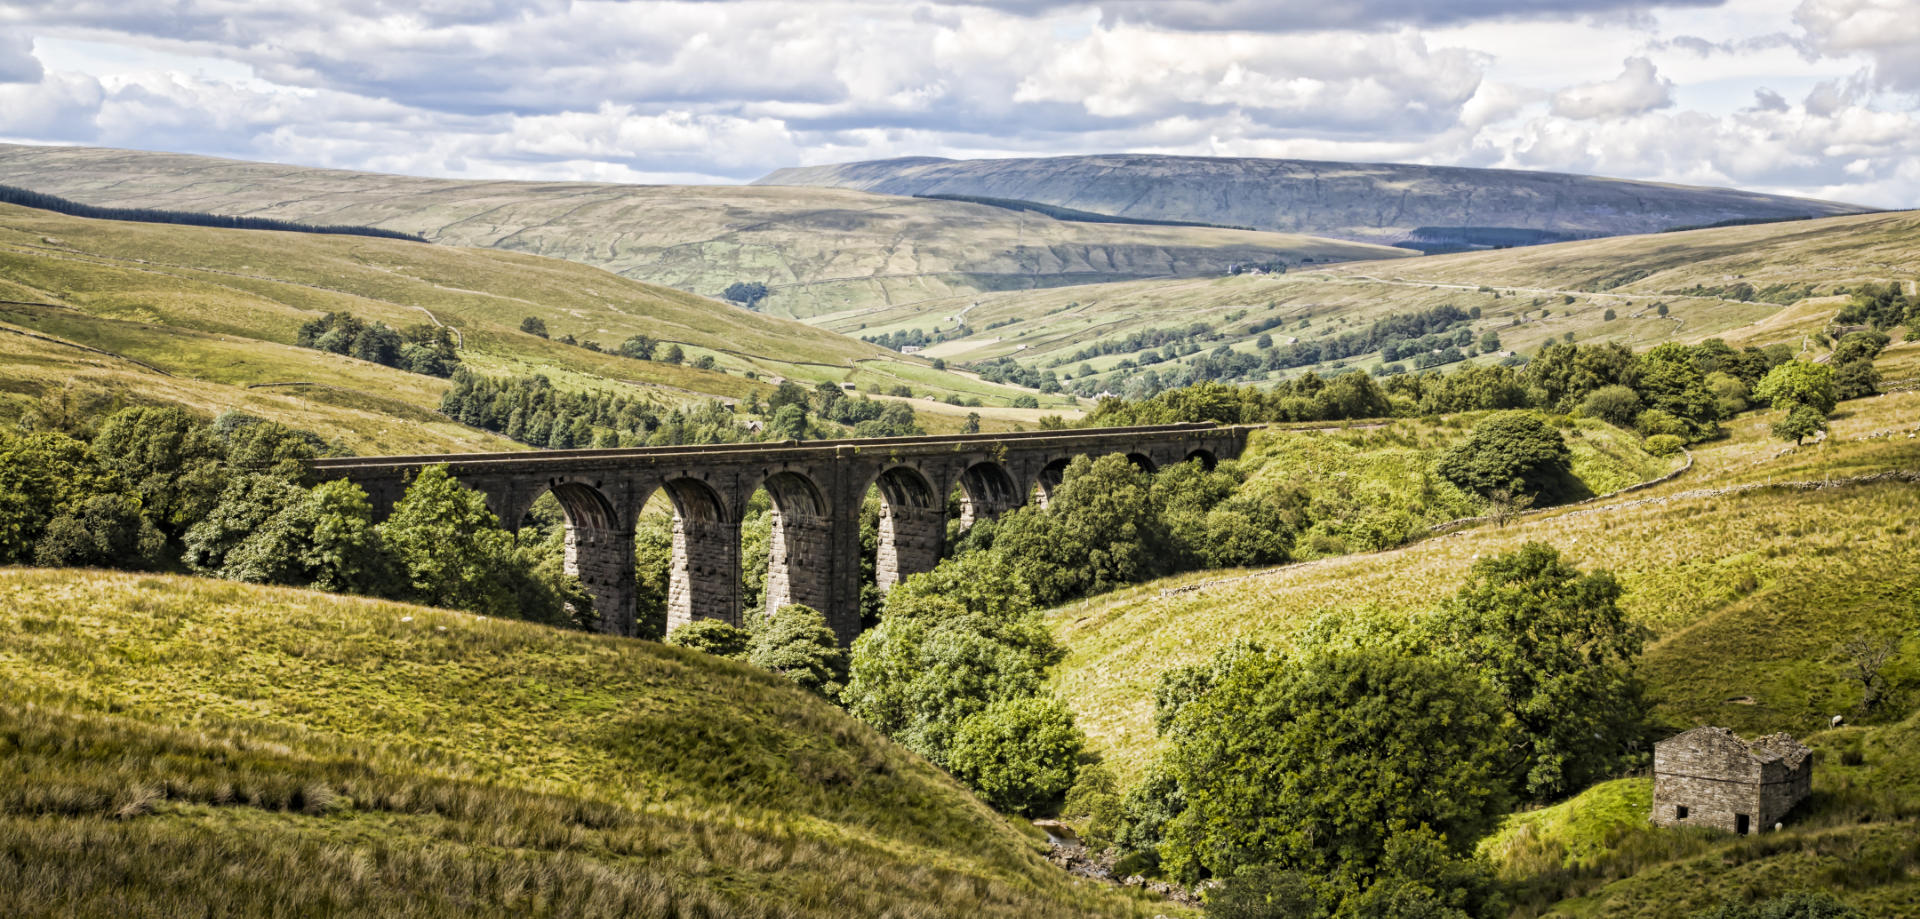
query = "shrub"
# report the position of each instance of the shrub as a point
(1102, 529)
(952, 641)
(1663, 445)
(1145, 812)
(746, 293)
(43, 476)
(1616, 405)
(449, 551)
(534, 325)
(1805, 904)
(169, 458)
(1856, 380)
(1095, 796)
(1672, 382)
(1655, 423)
(324, 539)
(1514, 450)
(796, 643)
(1265, 892)
(1256, 530)
(1730, 393)
(714, 637)
(1018, 755)
(103, 531)
(246, 505)
(638, 347)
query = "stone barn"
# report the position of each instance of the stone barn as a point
(1710, 777)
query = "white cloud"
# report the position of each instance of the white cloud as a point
(1637, 90)
(17, 63)
(1805, 96)
(1338, 81)
(1887, 31)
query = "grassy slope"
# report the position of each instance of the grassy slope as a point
(370, 409)
(1858, 836)
(223, 306)
(174, 746)
(1825, 254)
(822, 250)
(1749, 593)
(1358, 473)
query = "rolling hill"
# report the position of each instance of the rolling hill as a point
(1747, 597)
(1749, 284)
(1751, 568)
(209, 318)
(173, 746)
(1377, 202)
(819, 250)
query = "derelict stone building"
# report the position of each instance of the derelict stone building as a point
(1710, 777)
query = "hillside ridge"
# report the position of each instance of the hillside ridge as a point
(1376, 202)
(818, 250)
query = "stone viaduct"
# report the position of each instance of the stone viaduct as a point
(817, 488)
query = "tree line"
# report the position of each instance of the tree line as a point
(1674, 391)
(40, 200)
(916, 338)
(425, 348)
(530, 409)
(157, 489)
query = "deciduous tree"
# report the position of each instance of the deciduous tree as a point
(1557, 651)
(1314, 763)
(1020, 754)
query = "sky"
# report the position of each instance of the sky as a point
(1807, 97)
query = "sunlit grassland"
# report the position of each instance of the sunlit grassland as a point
(263, 285)
(176, 746)
(1389, 468)
(1749, 594)
(1577, 283)
(369, 412)
(818, 249)
(1858, 836)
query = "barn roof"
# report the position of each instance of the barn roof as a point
(1780, 748)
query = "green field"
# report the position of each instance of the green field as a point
(218, 310)
(1793, 269)
(174, 746)
(820, 250)
(1748, 592)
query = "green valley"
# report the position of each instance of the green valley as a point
(818, 250)
(1774, 282)
(221, 308)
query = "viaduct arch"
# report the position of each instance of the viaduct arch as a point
(817, 488)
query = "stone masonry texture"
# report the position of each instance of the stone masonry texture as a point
(1715, 778)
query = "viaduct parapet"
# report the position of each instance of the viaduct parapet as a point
(817, 488)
